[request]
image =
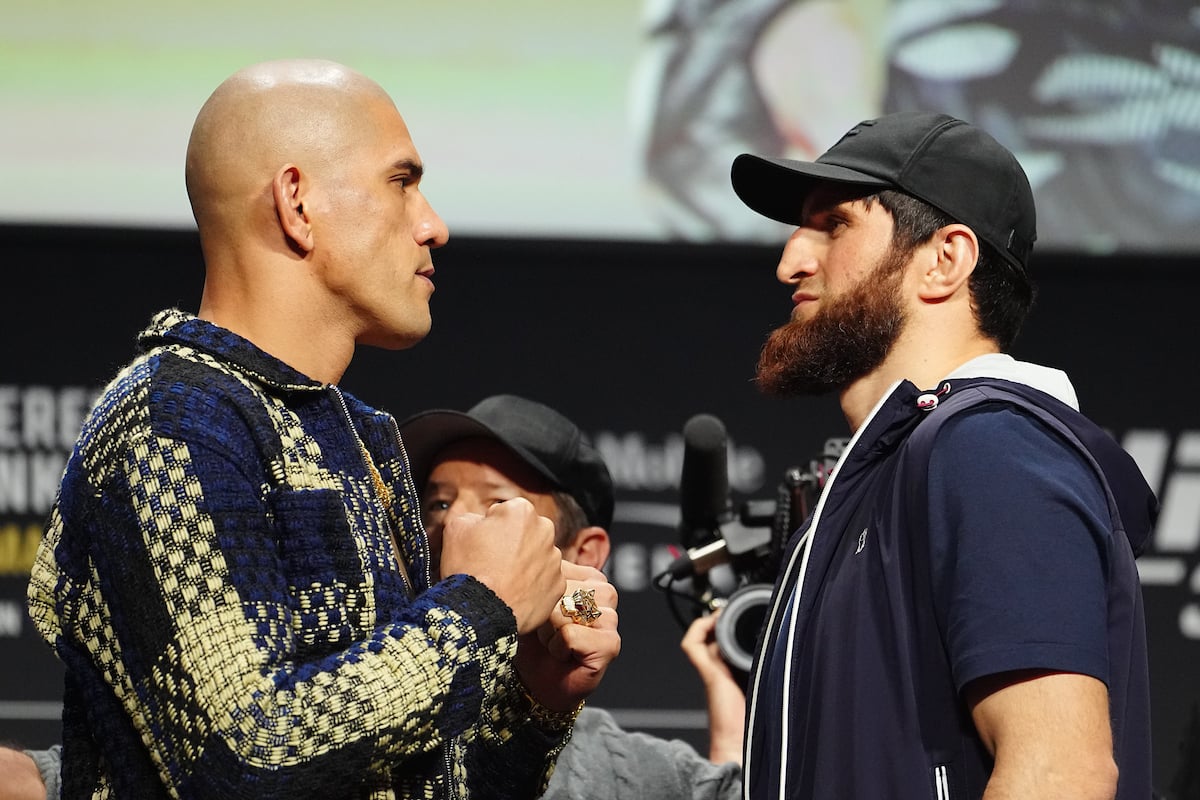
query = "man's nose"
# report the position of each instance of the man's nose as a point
(799, 258)
(429, 229)
(463, 505)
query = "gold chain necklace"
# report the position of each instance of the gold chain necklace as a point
(383, 492)
(381, 489)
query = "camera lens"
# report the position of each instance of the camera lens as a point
(740, 623)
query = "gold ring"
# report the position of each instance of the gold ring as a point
(580, 606)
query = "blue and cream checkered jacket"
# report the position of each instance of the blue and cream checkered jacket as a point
(219, 578)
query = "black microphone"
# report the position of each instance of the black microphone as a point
(710, 530)
(704, 480)
(704, 502)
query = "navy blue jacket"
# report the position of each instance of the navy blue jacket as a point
(219, 576)
(984, 529)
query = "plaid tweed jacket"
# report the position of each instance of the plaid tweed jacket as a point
(219, 576)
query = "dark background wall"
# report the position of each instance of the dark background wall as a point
(630, 340)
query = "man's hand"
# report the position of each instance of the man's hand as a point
(19, 777)
(563, 662)
(511, 550)
(724, 696)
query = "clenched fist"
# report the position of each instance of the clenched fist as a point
(563, 662)
(511, 550)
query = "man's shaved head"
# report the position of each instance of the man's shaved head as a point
(266, 115)
(306, 189)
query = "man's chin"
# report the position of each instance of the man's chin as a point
(798, 361)
(788, 386)
(395, 340)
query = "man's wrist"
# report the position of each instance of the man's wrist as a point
(548, 719)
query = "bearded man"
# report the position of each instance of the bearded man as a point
(966, 617)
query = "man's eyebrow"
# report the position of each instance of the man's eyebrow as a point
(414, 168)
(814, 211)
(829, 204)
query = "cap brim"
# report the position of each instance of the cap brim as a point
(776, 187)
(430, 432)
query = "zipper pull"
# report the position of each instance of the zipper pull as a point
(929, 400)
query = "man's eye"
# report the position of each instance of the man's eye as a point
(833, 222)
(436, 506)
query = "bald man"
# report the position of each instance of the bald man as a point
(235, 573)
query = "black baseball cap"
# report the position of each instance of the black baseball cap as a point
(950, 164)
(540, 436)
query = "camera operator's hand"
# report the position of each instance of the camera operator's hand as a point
(19, 776)
(725, 698)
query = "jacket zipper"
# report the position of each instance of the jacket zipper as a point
(410, 485)
(802, 550)
(451, 794)
(387, 515)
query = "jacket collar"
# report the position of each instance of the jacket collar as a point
(175, 327)
(903, 405)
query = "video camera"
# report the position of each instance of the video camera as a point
(732, 556)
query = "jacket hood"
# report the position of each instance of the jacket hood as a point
(1053, 382)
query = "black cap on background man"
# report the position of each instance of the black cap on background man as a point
(548, 442)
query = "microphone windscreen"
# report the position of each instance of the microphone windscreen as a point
(704, 481)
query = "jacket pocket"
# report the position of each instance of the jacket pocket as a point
(322, 567)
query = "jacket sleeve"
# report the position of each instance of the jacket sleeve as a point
(1020, 546)
(251, 649)
(507, 756)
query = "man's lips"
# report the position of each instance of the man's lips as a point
(802, 297)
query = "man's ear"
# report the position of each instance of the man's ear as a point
(955, 253)
(590, 547)
(287, 191)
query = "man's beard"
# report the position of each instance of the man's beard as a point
(848, 337)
